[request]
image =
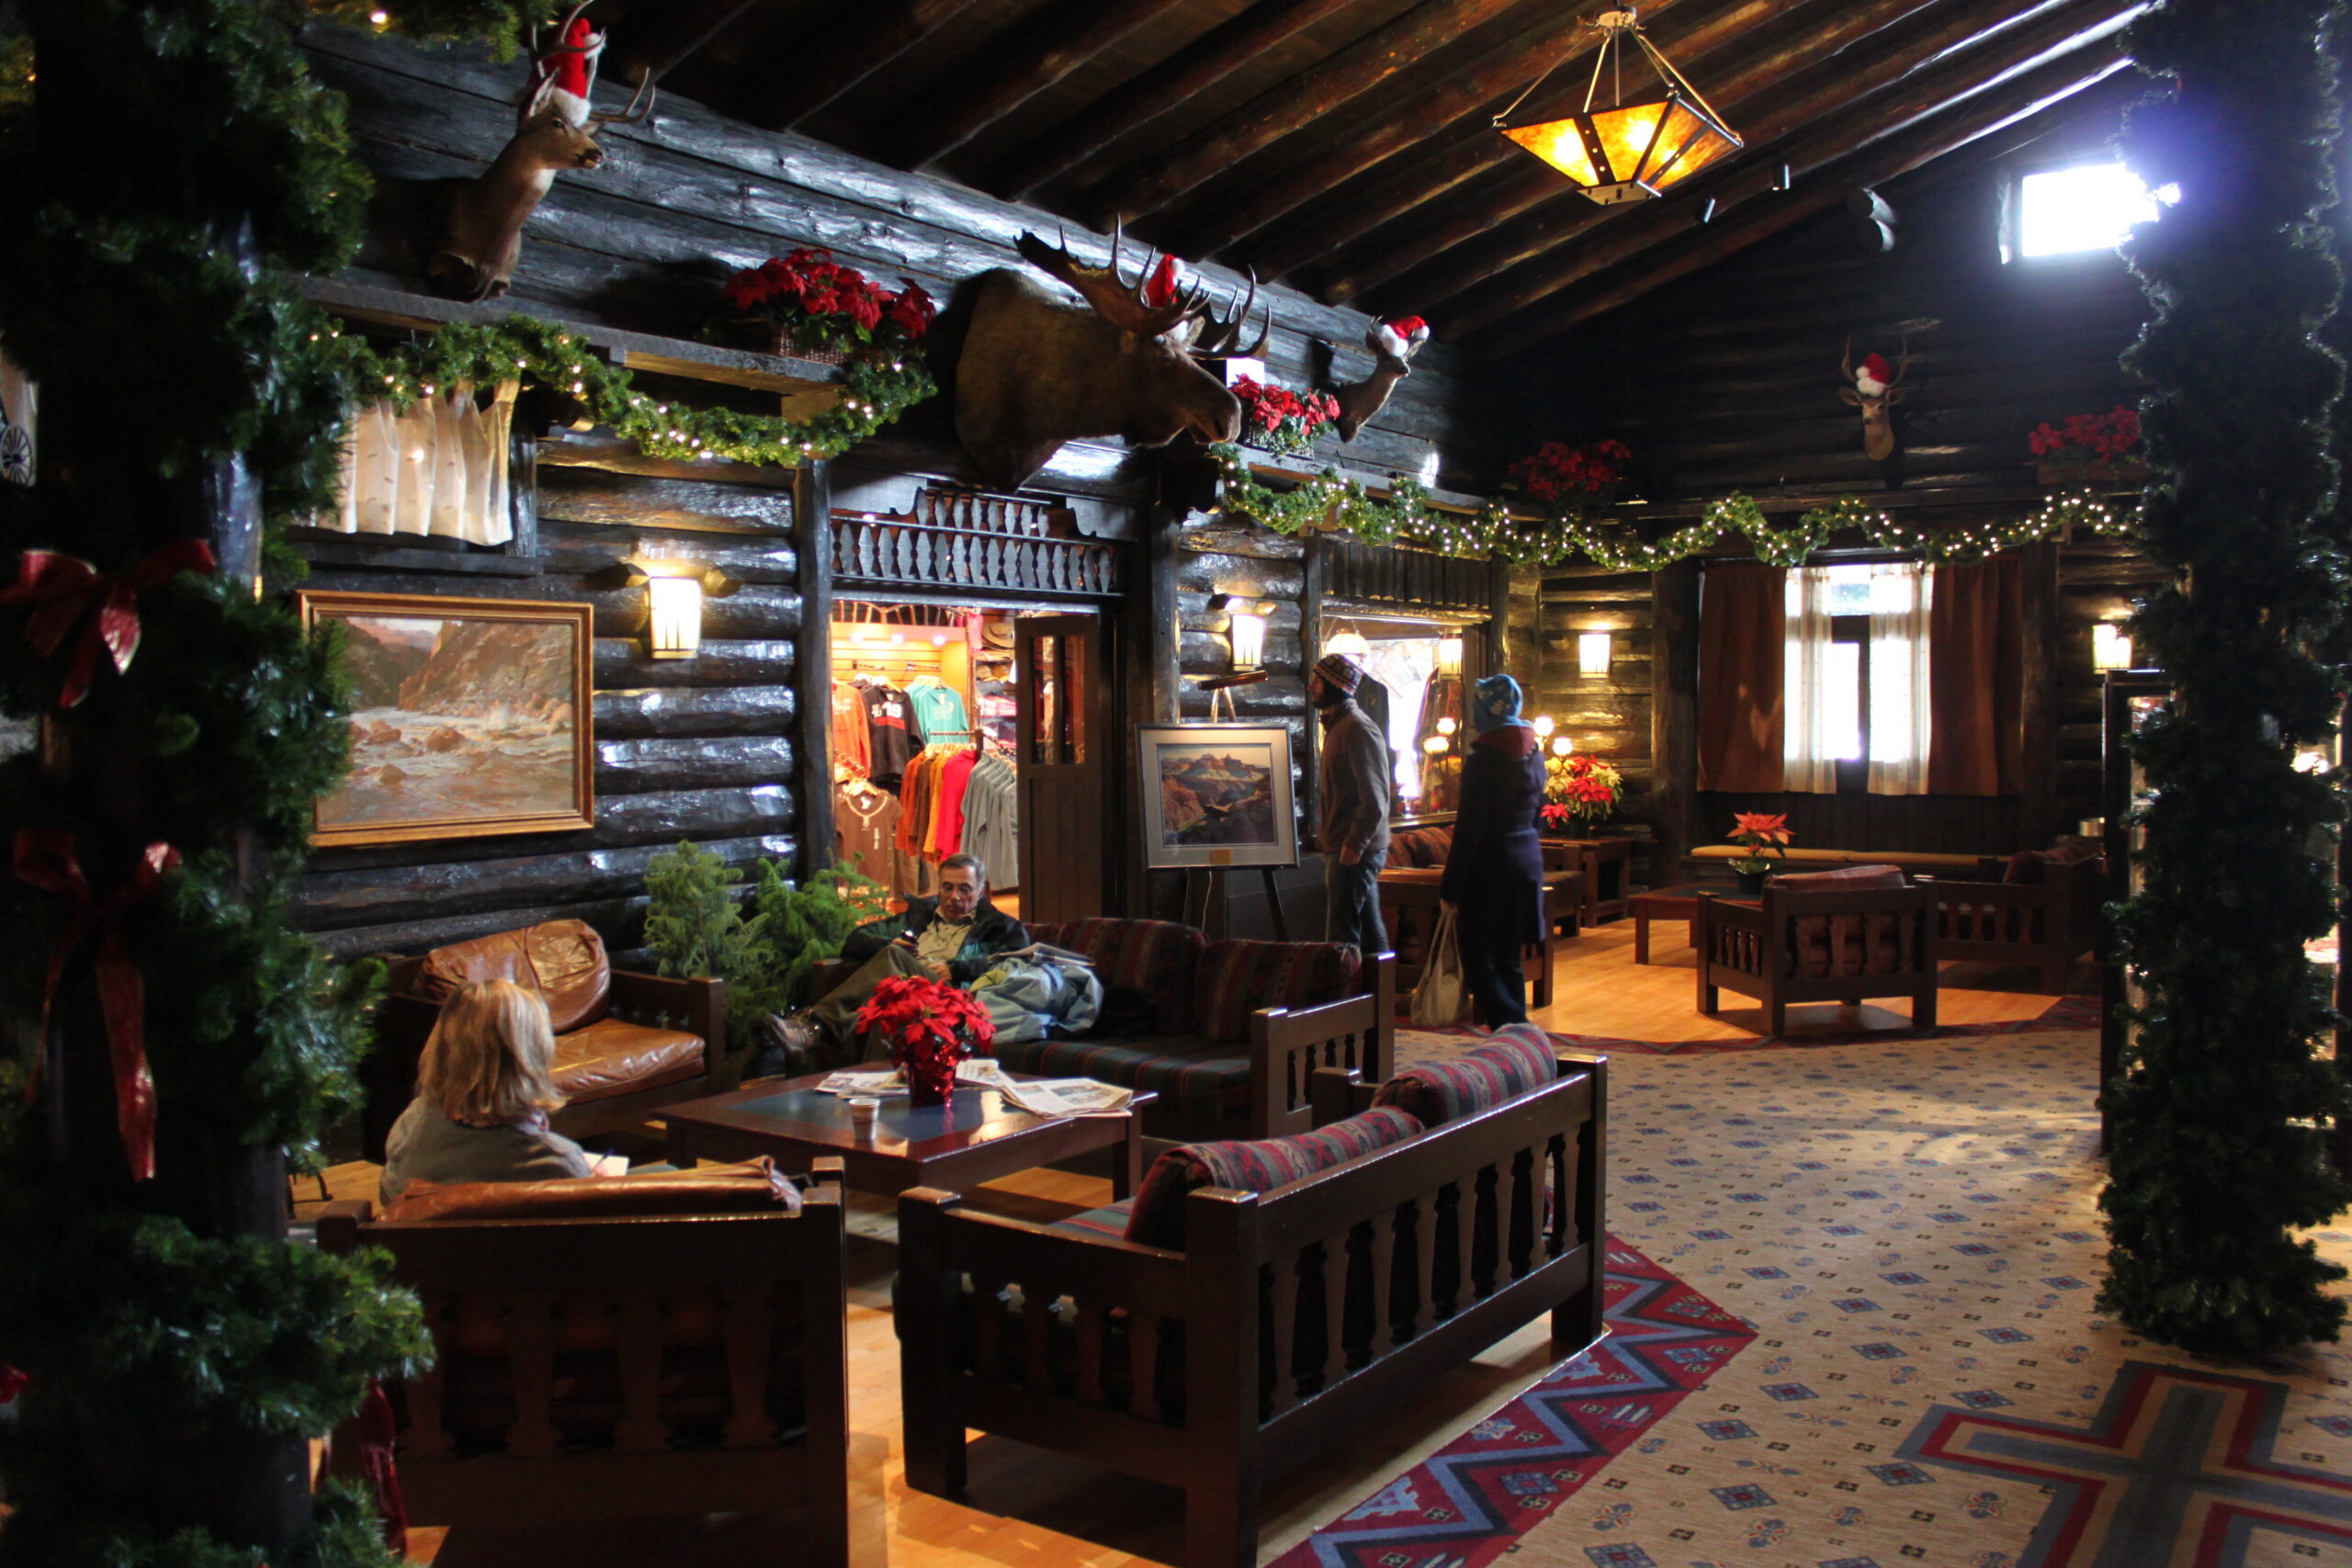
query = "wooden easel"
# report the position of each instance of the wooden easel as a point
(1209, 881)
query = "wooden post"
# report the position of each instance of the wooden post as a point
(1674, 714)
(813, 520)
(2038, 698)
(1220, 1469)
(1315, 584)
(1155, 684)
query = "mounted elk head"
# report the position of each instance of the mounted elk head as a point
(1037, 371)
(482, 233)
(1392, 344)
(1875, 388)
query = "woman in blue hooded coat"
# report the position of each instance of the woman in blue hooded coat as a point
(1494, 872)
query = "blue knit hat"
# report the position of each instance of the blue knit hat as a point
(1494, 702)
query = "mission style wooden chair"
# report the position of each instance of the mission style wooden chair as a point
(1838, 936)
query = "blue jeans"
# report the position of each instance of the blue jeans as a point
(1353, 907)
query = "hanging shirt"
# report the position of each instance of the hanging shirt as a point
(890, 746)
(954, 777)
(852, 731)
(938, 712)
(865, 824)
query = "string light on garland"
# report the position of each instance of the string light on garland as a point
(1331, 501)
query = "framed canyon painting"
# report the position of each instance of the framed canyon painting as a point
(469, 717)
(1218, 795)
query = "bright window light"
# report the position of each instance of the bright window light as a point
(2090, 207)
(1841, 700)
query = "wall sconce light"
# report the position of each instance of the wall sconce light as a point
(1436, 745)
(1563, 747)
(1543, 726)
(1449, 656)
(1350, 642)
(1593, 651)
(2111, 647)
(1246, 628)
(676, 628)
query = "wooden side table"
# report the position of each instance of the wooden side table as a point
(1606, 864)
(1678, 903)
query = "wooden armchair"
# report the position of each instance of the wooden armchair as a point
(2044, 925)
(619, 1367)
(1290, 1319)
(1408, 901)
(1820, 944)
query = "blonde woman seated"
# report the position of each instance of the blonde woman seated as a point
(483, 1091)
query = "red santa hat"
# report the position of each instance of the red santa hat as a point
(572, 68)
(1874, 375)
(1402, 336)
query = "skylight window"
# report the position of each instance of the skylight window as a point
(2090, 207)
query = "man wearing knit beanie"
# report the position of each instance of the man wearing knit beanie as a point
(1355, 778)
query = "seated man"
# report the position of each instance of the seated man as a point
(956, 937)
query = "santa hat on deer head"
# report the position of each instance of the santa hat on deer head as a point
(571, 67)
(1871, 379)
(1399, 338)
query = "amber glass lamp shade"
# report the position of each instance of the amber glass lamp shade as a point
(1631, 152)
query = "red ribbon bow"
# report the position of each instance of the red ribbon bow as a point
(45, 858)
(60, 590)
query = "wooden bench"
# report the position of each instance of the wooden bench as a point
(1709, 860)
(1292, 1319)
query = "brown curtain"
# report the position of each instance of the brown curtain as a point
(1742, 632)
(1977, 677)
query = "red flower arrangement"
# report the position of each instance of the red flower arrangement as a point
(1579, 788)
(806, 301)
(2103, 436)
(1273, 419)
(1761, 834)
(930, 1027)
(1558, 472)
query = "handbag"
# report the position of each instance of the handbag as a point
(1439, 999)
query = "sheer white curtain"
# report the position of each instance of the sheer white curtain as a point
(1809, 743)
(1901, 593)
(439, 469)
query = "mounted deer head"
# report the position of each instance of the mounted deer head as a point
(481, 231)
(1393, 343)
(1037, 371)
(1875, 391)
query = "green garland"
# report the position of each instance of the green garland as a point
(2221, 1113)
(1330, 500)
(876, 387)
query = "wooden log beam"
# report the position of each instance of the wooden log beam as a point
(1472, 97)
(1193, 70)
(665, 40)
(2071, 29)
(1363, 65)
(1981, 116)
(1465, 248)
(1014, 69)
(847, 53)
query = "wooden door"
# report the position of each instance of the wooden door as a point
(1068, 761)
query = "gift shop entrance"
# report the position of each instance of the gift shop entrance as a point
(972, 695)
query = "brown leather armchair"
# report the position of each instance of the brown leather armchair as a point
(624, 1043)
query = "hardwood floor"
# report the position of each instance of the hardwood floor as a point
(1026, 1509)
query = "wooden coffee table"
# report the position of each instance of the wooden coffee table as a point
(975, 1137)
(1677, 903)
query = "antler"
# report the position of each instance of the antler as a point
(1218, 338)
(1114, 299)
(1846, 364)
(632, 114)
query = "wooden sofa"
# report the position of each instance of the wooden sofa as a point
(1811, 939)
(606, 1365)
(2043, 915)
(626, 1043)
(1229, 1033)
(1260, 1342)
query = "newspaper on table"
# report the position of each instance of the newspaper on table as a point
(871, 1086)
(1068, 1097)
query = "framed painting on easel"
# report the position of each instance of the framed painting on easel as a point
(1216, 794)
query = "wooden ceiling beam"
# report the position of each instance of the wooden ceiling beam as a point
(2072, 26)
(1471, 96)
(1830, 83)
(849, 52)
(1011, 72)
(667, 40)
(2102, 68)
(1370, 61)
(1190, 71)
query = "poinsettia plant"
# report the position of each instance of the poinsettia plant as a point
(929, 1026)
(2086, 440)
(1567, 477)
(1579, 788)
(1762, 835)
(807, 302)
(1274, 419)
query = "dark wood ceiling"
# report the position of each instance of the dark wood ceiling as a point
(1347, 147)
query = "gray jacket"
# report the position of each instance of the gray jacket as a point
(1357, 776)
(425, 1146)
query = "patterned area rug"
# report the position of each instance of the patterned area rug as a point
(1911, 1229)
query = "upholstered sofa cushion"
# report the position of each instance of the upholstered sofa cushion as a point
(1109, 1223)
(1148, 968)
(609, 1058)
(751, 1187)
(1845, 944)
(1196, 1077)
(1518, 1059)
(1256, 1165)
(1935, 863)
(1237, 977)
(562, 960)
(1420, 847)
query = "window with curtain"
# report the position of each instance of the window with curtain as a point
(1856, 668)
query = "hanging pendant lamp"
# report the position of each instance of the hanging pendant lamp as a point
(1628, 152)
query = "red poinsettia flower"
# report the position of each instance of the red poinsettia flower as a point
(912, 310)
(1758, 830)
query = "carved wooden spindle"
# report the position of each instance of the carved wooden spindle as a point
(1424, 1263)
(1283, 1342)
(748, 1324)
(1335, 1307)
(1464, 1194)
(427, 1438)
(988, 1326)
(1038, 1330)
(1092, 1326)
(1143, 1363)
(1510, 1261)
(637, 1342)
(530, 1365)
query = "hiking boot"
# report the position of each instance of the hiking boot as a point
(790, 1045)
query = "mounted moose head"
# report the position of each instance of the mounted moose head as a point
(1393, 343)
(481, 231)
(1037, 371)
(1875, 389)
